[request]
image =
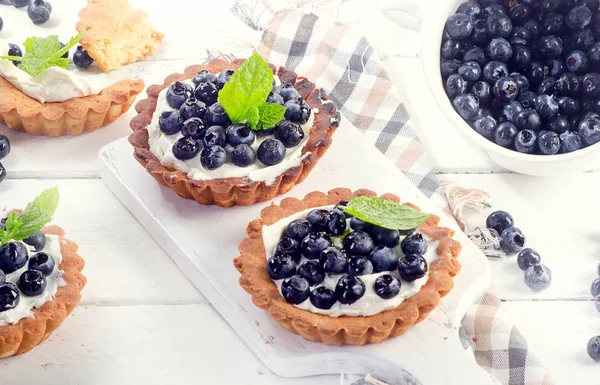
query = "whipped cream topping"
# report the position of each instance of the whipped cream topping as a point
(370, 303)
(161, 146)
(55, 84)
(55, 280)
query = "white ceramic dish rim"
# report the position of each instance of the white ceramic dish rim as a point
(431, 39)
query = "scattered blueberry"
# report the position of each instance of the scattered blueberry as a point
(81, 58)
(15, 50)
(527, 258)
(295, 289)
(39, 12)
(595, 290)
(20, 3)
(512, 240)
(499, 221)
(538, 277)
(4, 146)
(593, 347)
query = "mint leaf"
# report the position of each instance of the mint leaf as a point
(384, 213)
(72, 43)
(248, 87)
(270, 115)
(13, 225)
(252, 116)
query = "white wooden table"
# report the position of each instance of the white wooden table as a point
(140, 321)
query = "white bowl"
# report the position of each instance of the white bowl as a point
(434, 18)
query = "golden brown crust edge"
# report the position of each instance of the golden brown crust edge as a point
(234, 191)
(29, 332)
(343, 330)
(71, 117)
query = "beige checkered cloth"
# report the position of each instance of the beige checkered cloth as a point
(306, 37)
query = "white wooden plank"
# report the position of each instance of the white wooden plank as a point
(123, 263)
(559, 220)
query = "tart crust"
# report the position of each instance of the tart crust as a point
(29, 332)
(343, 330)
(235, 191)
(71, 117)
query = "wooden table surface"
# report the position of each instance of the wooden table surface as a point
(140, 321)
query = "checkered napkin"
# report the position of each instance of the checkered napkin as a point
(307, 37)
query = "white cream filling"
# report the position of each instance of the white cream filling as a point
(370, 303)
(55, 280)
(55, 84)
(162, 147)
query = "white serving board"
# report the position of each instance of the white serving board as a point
(202, 240)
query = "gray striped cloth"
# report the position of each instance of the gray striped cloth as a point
(305, 37)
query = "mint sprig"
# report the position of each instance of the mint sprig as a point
(35, 216)
(42, 53)
(384, 213)
(244, 96)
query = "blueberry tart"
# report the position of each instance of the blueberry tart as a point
(40, 279)
(382, 273)
(232, 133)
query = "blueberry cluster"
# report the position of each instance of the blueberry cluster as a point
(208, 131)
(526, 75)
(32, 282)
(593, 346)
(307, 254)
(4, 151)
(38, 11)
(537, 276)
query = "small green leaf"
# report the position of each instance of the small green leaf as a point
(36, 215)
(72, 43)
(252, 115)
(249, 86)
(13, 225)
(384, 213)
(270, 115)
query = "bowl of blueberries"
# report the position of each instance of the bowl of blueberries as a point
(520, 78)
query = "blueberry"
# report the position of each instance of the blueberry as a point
(591, 4)
(470, 8)
(548, 6)
(527, 99)
(275, 98)
(192, 108)
(243, 155)
(594, 54)
(455, 85)
(13, 256)
(510, 110)
(289, 133)
(386, 237)
(452, 49)
(582, 40)
(578, 17)
(349, 290)
(239, 134)
(569, 106)
(475, 54)
(170, 122)
(577, 61)
(39, 12)
(449, 67)
(590, 85)
(358, 243)
(214, 136)
(499, 26)
(494, 70)
(81, 58)
(593, 347)
(313, 244)
(552, 24)
(271, 152)
(387, 286)
(384, 259)
(37, 240)
(570, 141)
(481, 90)
(528, 119)
(466, 106)
(470, 71)
(505, 134)
(520, 35)
(520, 13)
(459, 26)
(333, 260)
(289, 246)
(493, 7)
(556, 67)
(359, 266)
(412, 267)
(546, 106)
(295, 289)
(322, 298)
(298, 229)
(223, 77)
(32, 283)
(207, 93)
(20, 3)
(287, 91)
(485, 126)
(4, 146)
(499, 221)
(590, 105)
(528, 258)
(281, 266)
(550, 47)
(499, 49)
(533, 27)
(547, 86)
(538, 277)
(15, 50)
(359, 225)
(2, 277)
(9, 296)
(558, 124)
(536, 73)
(204, 77)
(318, 219)
(297, 110)
(595, 288)
(186, 148)
(589, 130)
(177, 94)
(480, 34)
(336, 222)
(512, 240)
(549, 143)
(193, 128)
(568, 84)
(213, 157)
(414, 243)
(525, 141)
(216, 115)
(505, 89)
(312, 272)
(521, 57)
